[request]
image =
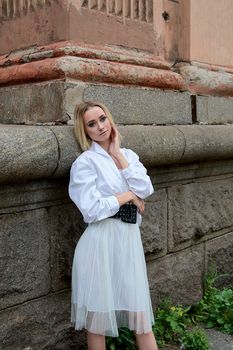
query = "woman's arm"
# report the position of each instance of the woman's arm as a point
(84, 193)
(129, 196)
(136, 176)
(91, 203)
(131, 168)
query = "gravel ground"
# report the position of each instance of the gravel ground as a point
(217, 340)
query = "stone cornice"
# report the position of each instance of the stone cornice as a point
(90, 70)
(71, 48)
(33, 152)
(93, 64)
(205, 79)
(112, 65)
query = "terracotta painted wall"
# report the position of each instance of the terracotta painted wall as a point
(126, 24)
(211, 28)
(186, 30)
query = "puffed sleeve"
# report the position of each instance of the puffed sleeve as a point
(83, 192)
(136, 176)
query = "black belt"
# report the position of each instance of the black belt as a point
(127, 213)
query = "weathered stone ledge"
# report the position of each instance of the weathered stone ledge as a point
(93, 63)
(87, 63)
(72, 48)
(32, 152)
(212, 67)
(206, 81)
(94, 70)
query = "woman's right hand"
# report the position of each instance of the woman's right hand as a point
(129, 196)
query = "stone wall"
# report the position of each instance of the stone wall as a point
(187, 227)
(178, 116)
(39, 230)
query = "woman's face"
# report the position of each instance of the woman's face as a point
(97, 125)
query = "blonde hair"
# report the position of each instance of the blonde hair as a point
(79, 128)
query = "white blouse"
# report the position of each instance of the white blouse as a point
(95, 180)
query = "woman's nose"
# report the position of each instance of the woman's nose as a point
(100, 126)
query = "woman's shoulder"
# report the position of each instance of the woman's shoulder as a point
(83, 158)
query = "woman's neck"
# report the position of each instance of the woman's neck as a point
(104, 145)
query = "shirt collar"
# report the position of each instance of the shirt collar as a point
(95, 147)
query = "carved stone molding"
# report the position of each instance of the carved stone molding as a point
(32, 152)
(93, 70)
(206, 80)
(96, 63)
(141, 10)
(17, 8)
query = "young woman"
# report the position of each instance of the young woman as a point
(109, 280)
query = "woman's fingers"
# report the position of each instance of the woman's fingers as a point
(143, 207)
(114, 146)
(140, 204)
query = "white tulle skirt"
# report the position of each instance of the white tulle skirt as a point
(109, 280)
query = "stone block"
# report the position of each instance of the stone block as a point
(214, 110)
(154, 225)
(68, 148)
(32, 103)
(40, 324)
(174, 173)
(215, 168)
(186, 172)
(27, 152)
(199, 209)
(73, 95)
(47, 102)
(154, 144)
(177, 276)
(132, 105)
(66, 227)
(32, 193)
(206, 142)
(219, 255)
(24, 256)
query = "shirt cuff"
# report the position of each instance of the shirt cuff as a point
(113, 204)
(127, 172)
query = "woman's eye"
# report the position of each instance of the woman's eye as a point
(91, 125)
(102, 119)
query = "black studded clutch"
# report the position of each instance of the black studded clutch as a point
(127, 213)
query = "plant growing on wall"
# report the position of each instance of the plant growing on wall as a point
(194, 340)
(173, 324)
(215, 309)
